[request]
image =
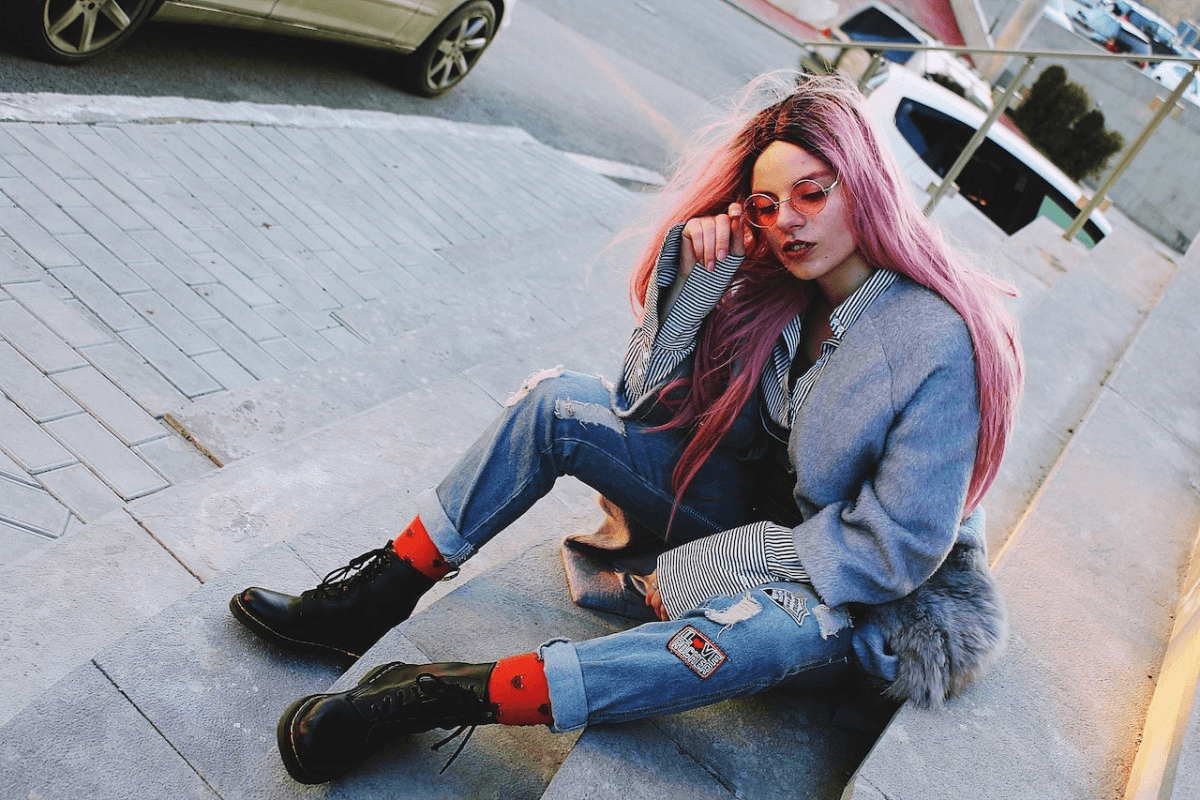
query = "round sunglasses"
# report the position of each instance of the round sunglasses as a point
(807, 197)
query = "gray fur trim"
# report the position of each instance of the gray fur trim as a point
(947, 632)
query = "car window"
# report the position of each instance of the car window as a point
(872, 25)
(1007, 190)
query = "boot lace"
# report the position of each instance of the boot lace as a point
(342, 580)
(431, 699)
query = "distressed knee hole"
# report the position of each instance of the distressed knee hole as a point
(742, 610)
(832, 620)
(588, 414)
(531, 382)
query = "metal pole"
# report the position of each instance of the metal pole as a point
(978, 138)
(1133, 150)
(869, 72)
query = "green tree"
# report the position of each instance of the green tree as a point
(1093, 146)
(1040, 100)
(1055, 116)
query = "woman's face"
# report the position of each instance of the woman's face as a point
(819, 247)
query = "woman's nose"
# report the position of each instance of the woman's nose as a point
(790, 217)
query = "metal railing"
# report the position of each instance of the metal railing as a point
(877, 49)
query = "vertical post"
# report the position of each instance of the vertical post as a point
(1134, 149)
(979, 136)
(869, 72)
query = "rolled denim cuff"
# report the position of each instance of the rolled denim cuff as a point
(564, 677)
(445, 537)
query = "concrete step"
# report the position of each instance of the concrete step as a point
(1092, 577)
(345, 488)
(1079, 314)
(186, 704)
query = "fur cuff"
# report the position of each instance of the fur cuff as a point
(946, 633)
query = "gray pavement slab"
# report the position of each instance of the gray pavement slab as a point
(216, 521)
(1072, 339)
(213, 690)
(31, 389)
(79, 490)
(1162, 367)
(634, 761)
(99, 583)
(112, 751)
(27, 444)
(32, 507)
(107, 456)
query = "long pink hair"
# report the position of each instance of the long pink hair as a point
(825, 117)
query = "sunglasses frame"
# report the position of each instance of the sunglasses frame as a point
(775, 204)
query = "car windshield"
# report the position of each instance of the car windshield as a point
(872, 25)
(1007, 190)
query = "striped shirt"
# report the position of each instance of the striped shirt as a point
(739, 559)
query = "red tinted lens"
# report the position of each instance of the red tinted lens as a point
(761, 210)
(808, 197)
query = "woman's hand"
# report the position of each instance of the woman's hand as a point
(706, 240)
(653, 598)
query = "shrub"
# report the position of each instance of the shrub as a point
(1056, 117)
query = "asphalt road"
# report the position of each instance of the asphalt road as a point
(625, 80)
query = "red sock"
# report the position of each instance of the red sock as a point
(416, 548)
(518, 689)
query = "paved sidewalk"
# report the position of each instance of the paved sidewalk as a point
(145, 264)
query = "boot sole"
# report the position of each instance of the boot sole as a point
(287, 743)
(260, 629)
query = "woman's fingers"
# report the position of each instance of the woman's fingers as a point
(741, 237)
(707, 240)
(653, 598)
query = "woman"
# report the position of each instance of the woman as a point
(817, 397)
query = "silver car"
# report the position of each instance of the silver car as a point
(439, 40)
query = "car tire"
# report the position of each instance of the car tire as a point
(71, 31)
(451, 51)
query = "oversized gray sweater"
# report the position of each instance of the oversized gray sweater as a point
(882, 445)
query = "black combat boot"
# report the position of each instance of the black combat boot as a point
(352, 608)
(326, 735)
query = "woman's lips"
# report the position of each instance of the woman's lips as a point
(798, 249)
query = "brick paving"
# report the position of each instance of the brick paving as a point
(144, 266)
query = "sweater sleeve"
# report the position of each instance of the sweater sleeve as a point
(725, 564)
(667, 336)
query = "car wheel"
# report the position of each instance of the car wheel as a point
(451, 51)
(70, 31)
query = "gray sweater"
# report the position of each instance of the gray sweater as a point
(883, 445)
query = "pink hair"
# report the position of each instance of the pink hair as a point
(825, 117)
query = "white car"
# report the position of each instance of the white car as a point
(441, 40)
(878, 22)
(1170, 73)
(1007, 179)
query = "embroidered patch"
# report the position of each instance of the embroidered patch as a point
(794, 604)
(697, 651)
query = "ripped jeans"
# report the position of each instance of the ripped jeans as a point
(730, 647)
